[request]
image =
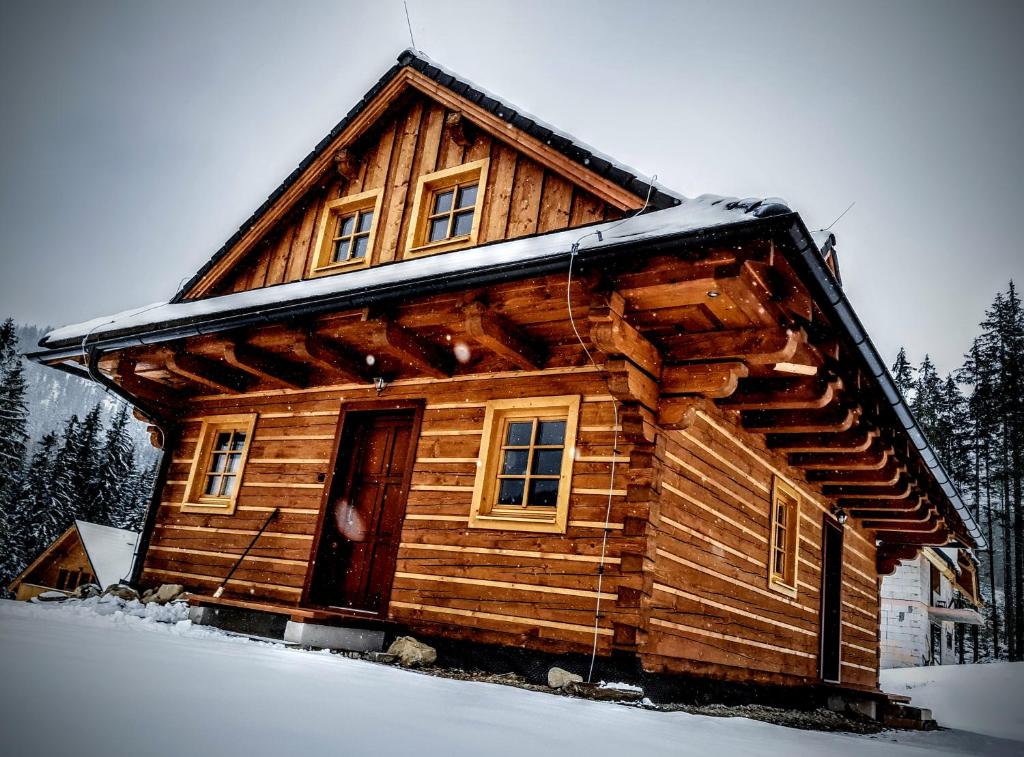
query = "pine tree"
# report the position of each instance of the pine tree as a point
(13, 440)
(38, 521)
(84, 500)
(903, 373)
(116, 471)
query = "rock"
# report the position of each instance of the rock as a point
(50, 596)
(412, 653)
(127, 593)
(166, 593)
(382, 657)
(604, 693)
(559, 678)
(85, 591)
(147, 594)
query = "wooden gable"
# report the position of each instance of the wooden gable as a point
(413, 128)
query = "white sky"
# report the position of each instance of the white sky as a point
(137, 136)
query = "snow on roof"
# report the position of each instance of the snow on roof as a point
(111, 550)
(702, 213)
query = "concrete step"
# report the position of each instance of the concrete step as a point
(897, 714)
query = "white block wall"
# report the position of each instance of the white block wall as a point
(905, 627)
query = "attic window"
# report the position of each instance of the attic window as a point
(218, 465)
(347, 229)
(446, 209)
(785, 524)
(526, 459)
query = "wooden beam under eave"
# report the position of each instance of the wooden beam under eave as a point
(937, 537)
(320, 353)
(264, 366)
(887, 476)
(932, 522)
(857, 440)
(783, 394)
(206, 373)
(502, 337)
(420, 355)
(875, 458)
(829, 420)
(753, 346)
(613, 335)
(889, 556)
(712, 380)
(903, 489)
(627, 383)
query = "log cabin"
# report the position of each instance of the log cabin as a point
(86, 553)
(465, 376)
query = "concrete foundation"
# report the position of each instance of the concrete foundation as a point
(265, 624)
(334, 637)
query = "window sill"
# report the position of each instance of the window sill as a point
(209, 508)
(552, 525)
(348, 265)
(782, 588)
(443, 245)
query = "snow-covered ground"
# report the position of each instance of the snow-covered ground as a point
(78, 682)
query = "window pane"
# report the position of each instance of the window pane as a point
(438, 229)
(510, 491)
(519, 434)
(551, 432)
(228, 486)
(365, 220)
(547, 462)
(467, 197)
(223, 440)
(463, 223)
(212, 486)
(345, 227)
(442, 202)
(543, 492)
(515, 462)
(359, 250)
(218, 461)
(340, 251)
(780, 562)
(238, 441)
(233, 461)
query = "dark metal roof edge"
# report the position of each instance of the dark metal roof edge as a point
(830, 295)
(408, 58)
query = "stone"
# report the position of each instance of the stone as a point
(412, 653)
(166, 593)
(382, 657)
(559, 678)
(85, 591)
(127, 593)
(50, 596)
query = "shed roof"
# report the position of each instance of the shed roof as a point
(110, 550)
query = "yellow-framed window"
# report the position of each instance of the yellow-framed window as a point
(784, 537)
(219, 464)
(446, 209)
(526, 456)
(347, 229)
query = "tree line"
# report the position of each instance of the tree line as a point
(86, 470)
(974, 419)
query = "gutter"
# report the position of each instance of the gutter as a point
(827, 292)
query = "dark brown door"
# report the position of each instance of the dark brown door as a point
(362, 520)
(831, 600)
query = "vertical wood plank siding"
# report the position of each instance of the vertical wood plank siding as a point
(521, 197)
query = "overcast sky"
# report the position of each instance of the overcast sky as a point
(136, 136)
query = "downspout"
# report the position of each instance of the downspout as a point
(168, 436)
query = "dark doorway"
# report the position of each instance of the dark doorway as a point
(830, 657)
(361, 521)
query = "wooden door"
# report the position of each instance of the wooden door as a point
(362, 518)
(830, 657)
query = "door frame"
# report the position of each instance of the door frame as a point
(346, 410)
(829, 522)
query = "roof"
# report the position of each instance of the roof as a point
(558, 140)
(110, 550)
(165, 321)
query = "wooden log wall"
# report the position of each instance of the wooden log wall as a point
(708, 607)
(494, 585)
(521, 198)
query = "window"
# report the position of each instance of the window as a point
(525, 470)
(446, 209)
(347, 228)
(218, 465)
(785, 524)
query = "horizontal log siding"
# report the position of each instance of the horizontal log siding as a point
(525, 588)
(708, 608)
(521, 197)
